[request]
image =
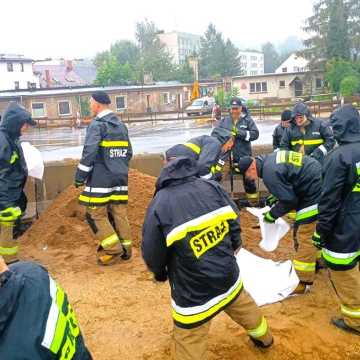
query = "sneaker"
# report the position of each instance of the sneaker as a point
(340, 324)
(259, 344)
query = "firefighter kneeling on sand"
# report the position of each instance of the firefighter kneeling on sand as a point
(36, 320)
(104, 169)
(338, 228)
(190, 235)
(294, 182)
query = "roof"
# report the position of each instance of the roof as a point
(14, 57)
(267, 75)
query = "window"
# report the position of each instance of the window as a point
(164, 98)
(254, 65)
(64, 108)
(17, 85)
(22, 67)
(38, 110)
(252, 87)
(253, 73)
(282, 84)
(264, 86)
(318, 83)
(253, 58)
(284, 69)
(258, 87)
(10, 67)
(120, 103)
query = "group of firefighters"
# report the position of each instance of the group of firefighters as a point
(191, 232)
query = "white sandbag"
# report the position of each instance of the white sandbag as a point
(265, 280)
(34, 160)
(271, 233)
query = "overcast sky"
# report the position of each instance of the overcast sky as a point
(81, 28)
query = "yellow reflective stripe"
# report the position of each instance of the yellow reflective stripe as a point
(110, 241)
(103, 200)
(260, 331)
(307, 142)
(281, 157)
(9, 250)
(304, 266)
(126, 242)
(352, 313)
(114, 143)
(356, 188)
(193, 319)
(252, 196)
(60, 324)
(14, 157)
(195, 148)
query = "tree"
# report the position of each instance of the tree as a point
(184, 73)
(350, 85)
(271, 57)
(231, 62)
(337, 70)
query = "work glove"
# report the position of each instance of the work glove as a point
(268, 218)
(236, 168)
(317, 241)
(78, 184)
(10, 214)
(271, 200)
(241, 133)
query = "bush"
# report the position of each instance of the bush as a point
(349, 85)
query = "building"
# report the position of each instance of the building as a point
(69, 103)
(16, 72)
(180, 45)
(65, 73)
(293, 64)
(279, 85)
(252, 62)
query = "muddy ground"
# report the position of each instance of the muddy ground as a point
(125, 315)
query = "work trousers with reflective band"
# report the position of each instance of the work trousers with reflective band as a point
(347, 286)
(111, 240)
(304, 260)
(8, 245)
(191, 344)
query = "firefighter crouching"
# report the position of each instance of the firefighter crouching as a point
(207, 151)
(190, 234)
(36, 320)
(338, 228)
(308, 135)
(294, 182)
(13, 175)
(103, 169)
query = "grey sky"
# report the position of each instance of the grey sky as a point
(80, 28)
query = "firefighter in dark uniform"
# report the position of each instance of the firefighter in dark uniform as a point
(308, 135)
(207, 151)
(103, 169)
(36, 320)
(245, 131)
(13, 175)
(190, 234)
(294, 182)
(338, 228)
(278, 133)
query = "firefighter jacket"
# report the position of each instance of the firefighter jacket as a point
(295, 180)
(245, 131)
(13, 170)
(316, 141)
(205, 150)
(36, 320)
(190, 233)
(339, 206)
(104, 165)
(277, 136)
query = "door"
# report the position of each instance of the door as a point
(298, 85)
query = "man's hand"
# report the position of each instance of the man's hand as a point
(268, 218)
(78, 184)
(3, 266)
(271, 200)
(317, 241)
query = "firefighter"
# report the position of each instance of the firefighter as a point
(308, 135)
(190, 235)
(338, 228)
(280, 129)
(208, 151)
(294, 182)
(245, 131)
(13, 175)
(104, 168)
(36, 320)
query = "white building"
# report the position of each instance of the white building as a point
(293, 64)
(252, 62)
(16, 72)
(180, 45)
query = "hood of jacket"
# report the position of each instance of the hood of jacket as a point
(345, 123)
(176, 171)
(109, 118)
(9, 295)
(260, 159)
(300, 109)
(13, 119)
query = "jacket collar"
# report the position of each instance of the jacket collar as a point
(103, 113)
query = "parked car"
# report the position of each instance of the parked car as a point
(201, 106)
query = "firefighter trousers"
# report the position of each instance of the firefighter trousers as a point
(304, 260)
(112, 239)
(347, 286)
(191, 344)
(8, 245)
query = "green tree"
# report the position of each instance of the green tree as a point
(184, 73)
(337, 70)
(271, 57)
(350, 85)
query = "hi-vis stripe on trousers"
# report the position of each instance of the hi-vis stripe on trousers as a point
(9, 246)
